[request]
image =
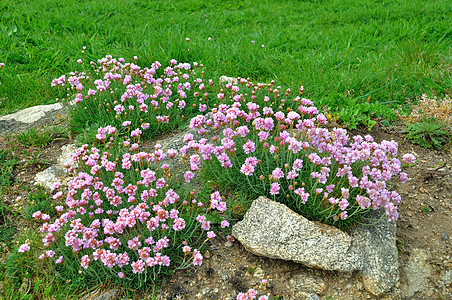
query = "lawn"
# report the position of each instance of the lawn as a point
(341, 51)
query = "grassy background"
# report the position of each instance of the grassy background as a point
(391, 50)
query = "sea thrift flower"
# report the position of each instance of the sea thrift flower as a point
(274, 188)
(23, 248)
(197, 258)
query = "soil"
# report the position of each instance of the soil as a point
(425, 222)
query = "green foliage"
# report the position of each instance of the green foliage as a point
(34, 159)
(425, 209)
(429, 133)
(41, 201)
(344, 47)
(7, 164)
(357, 111)
(7, 228)
(41, 138)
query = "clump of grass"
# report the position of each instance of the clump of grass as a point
(429, 123)
(7, 164)
(429, 108)
(430, 133)
(39, 200)
(41, 137)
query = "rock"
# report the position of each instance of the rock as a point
(271, 229)
(228, 244)
(32, 114)
(308, 283)
(33, 117)
(224, 276)
(259, 273)
(377, 244)
(57, 172)
(446, 279)
(103, 295)
(416, 273)
(445, 237)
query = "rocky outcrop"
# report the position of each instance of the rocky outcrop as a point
(57, 172)
(36, 116)
(272, 230)
(416, 273)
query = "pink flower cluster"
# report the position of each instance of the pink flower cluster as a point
(296, 157)
(121, 213)
(127, 91)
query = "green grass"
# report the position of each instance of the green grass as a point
(41, 138)
(7, 163)
(389, 50)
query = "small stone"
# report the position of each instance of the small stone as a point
(446, 279)
(215, 290)
(108, 295)
(445, 237)
(417, 272)
(207, 254)
(228, 244)
(314, 297)
(205, 290)
(308, 283)
(258, 273)
(224, 276)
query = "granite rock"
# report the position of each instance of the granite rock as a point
(57, 172)
(272, 230)
(416, 273)
(377, 244)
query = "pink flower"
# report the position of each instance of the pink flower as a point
(247, 169)
(23, 248)
(136, 132)
(242, 296)
(189, 176)
(138, 266)
(211, 234)
(303, 195)
(252, 293)
(274, 188)
(121, 275)
(84, 262)
(224, 224)
(277, 173)
(197, 258)
(179, 224)
(409, 158)
(344, 215)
